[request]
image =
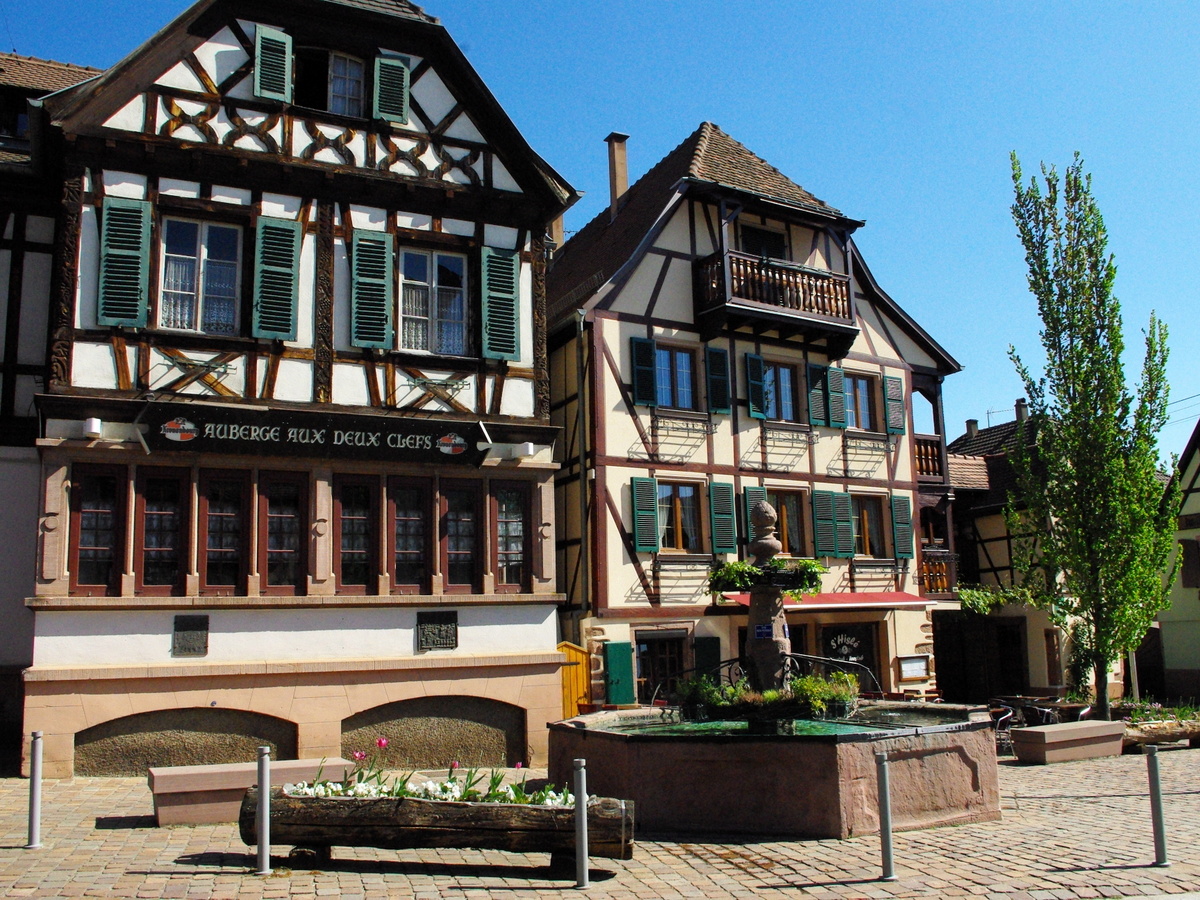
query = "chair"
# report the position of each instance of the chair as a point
(1002, 720)
(1037, 715)
(1084, 714)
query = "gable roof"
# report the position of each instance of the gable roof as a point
(996, 439)
(401, 8)
(708, 157)
(43, 76)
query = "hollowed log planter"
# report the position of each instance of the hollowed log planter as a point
(404, 823)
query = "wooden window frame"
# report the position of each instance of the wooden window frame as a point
(362, 84)
(474, 488)
(431, 254)
(673, 384)
(242, 478)
(783, 526)
(523, 488)
(862, 537)
(853, 410)
(771, 370)
(79, 471)
(183, 477)
(371, 483)
(160, 238)
(299, 587)
(676, 516)
(395, 485)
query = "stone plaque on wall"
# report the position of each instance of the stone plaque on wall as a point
(190, 637)
(437, 631)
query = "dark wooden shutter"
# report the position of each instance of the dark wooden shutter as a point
(391, 89)
(618, 673)
(750, 496)
(893, 403)
(716, 368)
(722, 511)
(843, 514)
(1189, 570)
(501, 304)
(824, 524)
(272, 64)
(902, 530)
(645, 514)
(835, 381)
(756, 393)
(645, 383)
(124, 262)
(706, 652)
(276, 278)
(371, 290)
(818, 389)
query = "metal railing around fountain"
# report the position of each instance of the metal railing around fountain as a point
(730, 671)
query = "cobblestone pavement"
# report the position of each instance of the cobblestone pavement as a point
(1073, 830)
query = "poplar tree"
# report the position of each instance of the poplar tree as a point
(1098, 526)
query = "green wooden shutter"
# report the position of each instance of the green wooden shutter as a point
(124, 262)
(893, 402)
(707, 654)
(756, 393)
(835, 382)
(750, 496)
(618, 673)
(645, 379)
(272, 64)
(716, 368)
(722, 511)
(501, 304)
(645, 514)
(371, 290)
(276, 278)
(391, 89)
(843, 515)
(818, 389)
(902, 530)
(824, 524)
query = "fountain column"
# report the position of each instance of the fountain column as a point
(766, 632)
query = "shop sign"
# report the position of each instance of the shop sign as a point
(272, 432)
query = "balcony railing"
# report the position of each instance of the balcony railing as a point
(938, 573)
(772, 282)
(929, 457)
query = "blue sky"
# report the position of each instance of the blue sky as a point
(901, 114)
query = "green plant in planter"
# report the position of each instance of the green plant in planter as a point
(839, 691)
(797, 576)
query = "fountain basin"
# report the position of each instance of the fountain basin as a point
(698, 779)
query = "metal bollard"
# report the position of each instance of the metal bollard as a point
(581, 828)
(264, 811)
(35, 792)
(1156, 808)
(885, 816)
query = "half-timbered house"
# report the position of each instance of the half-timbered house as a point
(716, 339)
(296, 456)
(26, 253)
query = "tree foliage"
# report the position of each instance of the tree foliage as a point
(1098, 526)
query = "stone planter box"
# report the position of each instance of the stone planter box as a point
(404, 823)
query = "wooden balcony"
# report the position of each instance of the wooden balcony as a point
(738, 289)
(931, 458)
(938, 572)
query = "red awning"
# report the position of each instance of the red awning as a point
(848, 600)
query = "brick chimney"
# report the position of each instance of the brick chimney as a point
(1022, 409)
(972, 427)
(618, 172)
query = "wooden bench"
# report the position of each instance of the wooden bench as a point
(1067, 741)
(207, 795)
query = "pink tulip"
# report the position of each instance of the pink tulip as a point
(518, 765)
(381, 743)
(360, 755)
(454, 765)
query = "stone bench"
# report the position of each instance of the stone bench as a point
(206, 795)
(1067, 741)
